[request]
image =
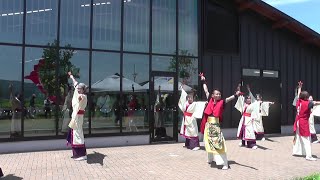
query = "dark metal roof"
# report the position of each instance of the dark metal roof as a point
(280, 20)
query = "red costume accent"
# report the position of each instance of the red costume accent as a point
(302, 117)
(212, 109)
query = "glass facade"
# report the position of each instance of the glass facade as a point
(112, 46)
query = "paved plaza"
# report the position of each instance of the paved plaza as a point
(273, 160)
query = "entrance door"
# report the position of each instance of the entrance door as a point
(163, 100)
(270, 90)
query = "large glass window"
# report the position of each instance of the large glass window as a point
(164, 63)
(38, 92)
(11, 21)
(188, 71)
(106, 24)
(164, 26)
(136, 25)
(78, 64)
(10, 102)
(135, 90)
(106, 105)
(41, 26)
(188, 27)
(75, 23)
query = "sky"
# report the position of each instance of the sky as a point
(305, 11)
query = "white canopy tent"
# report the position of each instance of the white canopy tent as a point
(112, 84)
(166, 84)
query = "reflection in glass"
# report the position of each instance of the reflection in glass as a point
(41, 25)
(135, 90)
(78, 64)
(164, 108)
(106, 103)
(188, 71)
(10, 123)
(106, 24)
(11, 21)
(188, 27)
(164, 26)
(39, 119)
(163, 63)
(75, 23)
(136, 25)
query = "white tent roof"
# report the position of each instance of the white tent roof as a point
(166, 84)
(112, 84)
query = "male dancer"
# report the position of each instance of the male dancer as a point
(210, 126)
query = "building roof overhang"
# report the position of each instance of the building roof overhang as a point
(280, 20)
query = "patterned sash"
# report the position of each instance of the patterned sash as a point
(215, 138)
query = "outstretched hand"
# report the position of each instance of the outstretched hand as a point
(202, 76)
(69, 73)
(300, 83)
(238, 93)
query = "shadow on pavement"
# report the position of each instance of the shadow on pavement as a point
(233, 162)
(11, 177)
(214, 165)
(268, 139)
(263, 148)
(95, 158)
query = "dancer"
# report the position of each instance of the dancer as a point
(159, 116)
(314, 112)
(248, 116)
(301, 128)
(191, 110)
(67, 110)
(262, 110)
(75, 136)
(16, 107)
(210, 126)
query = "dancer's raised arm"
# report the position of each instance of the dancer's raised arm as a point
(299, 87)
(75, 82)
(205, 87)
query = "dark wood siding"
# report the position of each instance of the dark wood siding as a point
(262, 47)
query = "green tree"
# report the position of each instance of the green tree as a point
(48, 67)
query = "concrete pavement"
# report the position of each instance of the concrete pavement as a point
(272, 160)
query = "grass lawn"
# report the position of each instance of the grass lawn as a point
(315, 176)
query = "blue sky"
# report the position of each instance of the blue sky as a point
(305, 11)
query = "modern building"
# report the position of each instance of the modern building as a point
(134, 55)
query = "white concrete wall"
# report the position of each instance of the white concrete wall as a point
(41, 145)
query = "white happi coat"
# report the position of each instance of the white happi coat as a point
(77, 119)
(315, 111)
(261, 109)
(189, 127)
(245, 120)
